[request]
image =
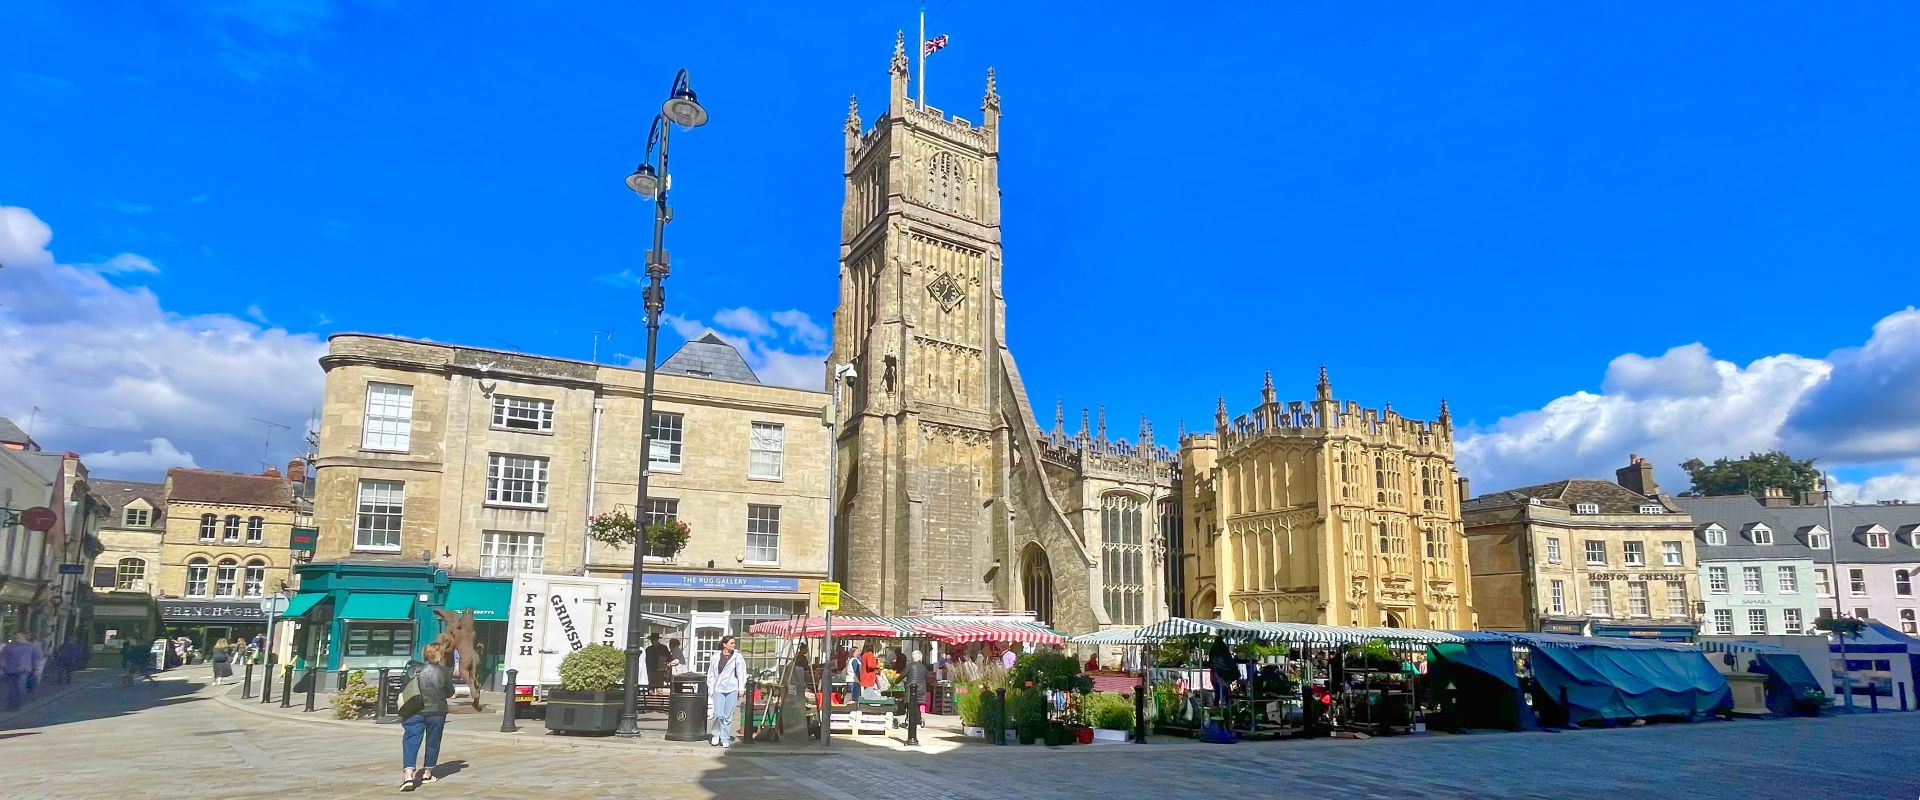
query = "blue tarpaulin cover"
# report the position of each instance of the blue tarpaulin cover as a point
(1787, 679)
(1610, 683)
(1486, 693)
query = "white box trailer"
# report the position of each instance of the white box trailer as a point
(554, 615)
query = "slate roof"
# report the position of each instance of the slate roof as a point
(119, 493)
(707, 356)
(11, 434)
(1738, 513)
(231, 488)
(1612, 498)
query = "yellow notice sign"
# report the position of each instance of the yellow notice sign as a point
(829, 596)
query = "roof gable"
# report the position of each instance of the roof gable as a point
(709, 356)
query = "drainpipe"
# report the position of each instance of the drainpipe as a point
(1532, 572)
(593, 475)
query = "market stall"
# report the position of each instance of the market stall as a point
(1475, 685)
(1579, 679)
(1882, 667)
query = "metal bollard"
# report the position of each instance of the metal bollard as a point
(246, 684)
(913, 714)
(1903, 695)
(1873, 702)
(1140, 713)
(1000, 735)
(312, 679)
(1566, 712)
(266, 681)
(511, 710)
(380, 705)
(286, 688)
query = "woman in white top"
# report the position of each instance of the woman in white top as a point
(726, 679)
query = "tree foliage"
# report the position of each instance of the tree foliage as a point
(1752, 475)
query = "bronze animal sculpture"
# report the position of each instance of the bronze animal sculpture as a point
(457, 632)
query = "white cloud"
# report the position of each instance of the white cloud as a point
(159, 455)
(111, 371)
(744, 320)
(125, 262)
(802, 328)
(1903, 485)
(1854, 407)
(254, 313)
(687, 328)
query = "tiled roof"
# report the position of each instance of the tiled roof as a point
(11, 433)
(1736, 514)
(119, 493)
(1612, 498)
(707, 356)
(234, 488)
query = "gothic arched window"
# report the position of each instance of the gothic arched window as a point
(1379, 474)
(1384, 544)
(1121, 558)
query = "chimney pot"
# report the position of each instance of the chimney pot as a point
(297, 471)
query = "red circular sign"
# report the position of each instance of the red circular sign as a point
(38, 519)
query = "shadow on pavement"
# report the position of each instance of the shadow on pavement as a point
(104, 698)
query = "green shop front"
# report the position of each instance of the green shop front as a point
(355, 615)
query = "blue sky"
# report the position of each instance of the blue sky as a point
(1520, 207)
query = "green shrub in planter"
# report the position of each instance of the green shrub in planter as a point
(587, 700)
(1028, 709)
(993, 716)
(356, 699)
(594, 668)
(966, 700)
(1110, 711)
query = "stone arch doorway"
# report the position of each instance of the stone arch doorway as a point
(1392, 620)
(1036, 582)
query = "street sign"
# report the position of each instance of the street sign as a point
(73, 569)
(304, 539)
(38, 519)
(829, 596)
(274, 605)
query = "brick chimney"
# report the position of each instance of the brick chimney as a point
(272, 472)
(1637, 476)
(1465, 493)
(1775, 497)
(296, 471)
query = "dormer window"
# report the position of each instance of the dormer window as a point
(1819, 539)
(1652, 508)
(1876, 538)
(1586, 508)
(1715, 535)
(1761, 534)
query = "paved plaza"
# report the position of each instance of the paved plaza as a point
(177, 738)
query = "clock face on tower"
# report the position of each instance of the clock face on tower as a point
(946, 291)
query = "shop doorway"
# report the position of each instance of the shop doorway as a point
(708, 627)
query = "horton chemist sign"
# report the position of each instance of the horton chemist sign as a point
(715, 583)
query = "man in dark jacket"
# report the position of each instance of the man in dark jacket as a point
(915, 677)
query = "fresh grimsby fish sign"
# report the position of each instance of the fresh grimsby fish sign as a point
(554, 615)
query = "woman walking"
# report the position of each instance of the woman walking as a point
(726, 678)
(424, 728)
(222, 662)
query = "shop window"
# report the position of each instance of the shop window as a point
(380, 639)
(131, 574)
(197, 573)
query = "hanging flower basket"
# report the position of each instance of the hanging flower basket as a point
(665, 539)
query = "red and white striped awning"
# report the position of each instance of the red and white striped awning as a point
(815, 627)
(987, 630)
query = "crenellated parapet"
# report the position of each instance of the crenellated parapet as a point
(1326, 417)
(1090, 453)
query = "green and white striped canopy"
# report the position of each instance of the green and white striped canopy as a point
(1290, 632)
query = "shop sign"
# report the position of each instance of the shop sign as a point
(304, 539)
(190, 611)
(718, 583)
(1638, 576)
(73, 569)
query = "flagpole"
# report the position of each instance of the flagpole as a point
(923, 54)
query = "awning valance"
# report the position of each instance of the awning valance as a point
(490, 600)
(394, 607)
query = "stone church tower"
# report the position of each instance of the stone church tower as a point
(944, 503)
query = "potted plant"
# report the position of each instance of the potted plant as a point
(356, 699)
(587, 700)
(1111, 716)
(966, 701)
(665, 539)
(993, 715)
(1028, 709)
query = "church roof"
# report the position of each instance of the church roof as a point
(708, 356)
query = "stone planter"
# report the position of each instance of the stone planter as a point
(974, 731)
(593, 713)
(1105, 736)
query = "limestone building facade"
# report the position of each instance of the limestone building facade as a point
(1327, 513)
(1590, 557)
(224, 536)
(131, 534)
(489, 463)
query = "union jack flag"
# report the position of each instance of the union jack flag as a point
(935, 43)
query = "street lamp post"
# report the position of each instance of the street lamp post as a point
(1833, 562)
(684, 109)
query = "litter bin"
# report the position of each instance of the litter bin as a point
(687, 708)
